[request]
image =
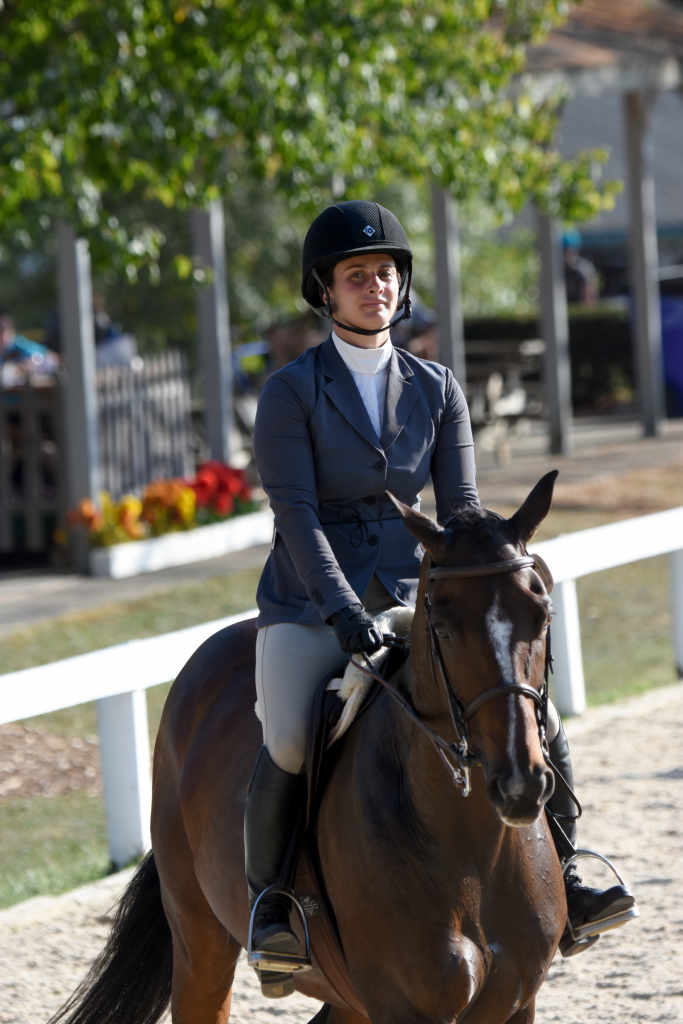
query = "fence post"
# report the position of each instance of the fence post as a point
(569, 691)
(676, 590)
(124, 753)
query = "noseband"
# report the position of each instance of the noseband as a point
(461, 751)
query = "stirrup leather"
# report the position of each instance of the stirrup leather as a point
(595, 928)
(288, 963)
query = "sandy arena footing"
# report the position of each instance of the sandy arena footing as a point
(629, 766)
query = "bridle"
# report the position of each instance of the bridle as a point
(461, 715)
(462, 751)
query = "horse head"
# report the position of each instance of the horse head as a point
(490, 631)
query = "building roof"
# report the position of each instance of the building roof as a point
(614, 45)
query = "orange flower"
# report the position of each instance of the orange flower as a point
(85, 514)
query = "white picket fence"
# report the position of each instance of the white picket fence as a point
(117, 677)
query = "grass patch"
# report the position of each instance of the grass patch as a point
(80, 632)
(626, 630)
(51, 845)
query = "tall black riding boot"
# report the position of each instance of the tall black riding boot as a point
(585, 906)
(274, 802)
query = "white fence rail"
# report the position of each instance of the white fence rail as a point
(572, 555)
(118, 676)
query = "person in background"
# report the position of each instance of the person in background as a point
(580, 275)
(113, 347)
(20, 356)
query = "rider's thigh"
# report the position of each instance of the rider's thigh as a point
(290, 662)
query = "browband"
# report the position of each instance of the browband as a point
(461, 572)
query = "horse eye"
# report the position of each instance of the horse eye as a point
(442, 633)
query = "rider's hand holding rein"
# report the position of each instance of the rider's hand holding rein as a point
(357, 631)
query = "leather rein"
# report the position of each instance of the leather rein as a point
(462, 752)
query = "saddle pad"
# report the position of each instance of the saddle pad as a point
(355, 685)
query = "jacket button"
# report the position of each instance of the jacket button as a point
(372, 539)
(318, 598)
(379, 466)
(370, 500)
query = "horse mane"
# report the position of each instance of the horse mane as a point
(478, 521)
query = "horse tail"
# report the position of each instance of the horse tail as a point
(130, 982)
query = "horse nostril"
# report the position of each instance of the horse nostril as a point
(549, 787)
(495, 792)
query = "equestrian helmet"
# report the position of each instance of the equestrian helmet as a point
(342, 231)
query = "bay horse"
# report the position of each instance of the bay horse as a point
(448, 909)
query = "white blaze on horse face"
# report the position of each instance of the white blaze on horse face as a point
(500, 631)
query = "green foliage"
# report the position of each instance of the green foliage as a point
(264, 236)
(177, 101)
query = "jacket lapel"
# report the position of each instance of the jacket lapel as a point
(341, 389)
(400, 398)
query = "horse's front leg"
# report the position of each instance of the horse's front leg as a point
(524, 1016)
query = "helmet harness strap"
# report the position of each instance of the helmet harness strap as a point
(405, 304)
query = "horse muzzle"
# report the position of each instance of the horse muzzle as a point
(518, 799)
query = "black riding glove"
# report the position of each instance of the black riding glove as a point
(356, 630)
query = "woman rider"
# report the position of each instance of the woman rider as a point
(335, 429)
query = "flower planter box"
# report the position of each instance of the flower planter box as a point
(138, 556)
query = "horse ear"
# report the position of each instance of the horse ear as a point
(429, 533)
(531, 514)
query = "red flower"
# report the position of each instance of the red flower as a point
(205, 485)
(217, 485)
(223, 504)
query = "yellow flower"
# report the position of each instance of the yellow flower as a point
(186, 503)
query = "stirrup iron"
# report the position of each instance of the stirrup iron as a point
(585, 932)
(282, 963)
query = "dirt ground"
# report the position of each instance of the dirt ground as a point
(629, 767)
(35, 762)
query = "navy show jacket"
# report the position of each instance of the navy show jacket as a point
(325, 472)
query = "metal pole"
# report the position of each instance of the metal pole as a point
(208, 239)
(77, 332)
(448, 283)
(557, 372)
(647, 333)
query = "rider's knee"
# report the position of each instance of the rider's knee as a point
(288, 752)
